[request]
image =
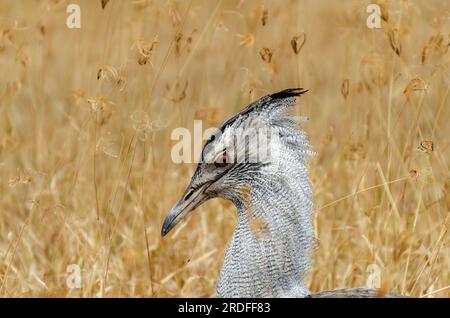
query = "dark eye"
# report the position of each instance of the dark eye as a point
(222, 161)
(215, 165)
(220, 164)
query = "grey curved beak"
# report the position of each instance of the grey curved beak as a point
(190, 200)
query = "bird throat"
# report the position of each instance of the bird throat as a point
(269, 252)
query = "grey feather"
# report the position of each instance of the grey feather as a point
(272, 261)
(269, 252)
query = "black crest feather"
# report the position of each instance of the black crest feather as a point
(264, 102)
(286, 93)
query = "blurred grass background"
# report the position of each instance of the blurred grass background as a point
(86, 116)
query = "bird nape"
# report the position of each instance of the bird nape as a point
(258, 161)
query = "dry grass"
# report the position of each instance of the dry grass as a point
(86, 117)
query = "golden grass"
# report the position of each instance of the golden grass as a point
(86, 116)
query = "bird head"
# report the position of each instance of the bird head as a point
(248, 144)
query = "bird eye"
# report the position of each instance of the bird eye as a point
(220, 164)
(215, 165)
(222, 160)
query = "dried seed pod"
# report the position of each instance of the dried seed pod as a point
(416, 84)
(145, 50)
(394, 41)
(111, 76)
(413, 173)
(435, 46)
(345, 88)
(264, 16)
(101, 73)
(297, 42)
(266, 54)
(178, 38)
(424, 54)
(104, 3)
(426, 146)
(42, 29)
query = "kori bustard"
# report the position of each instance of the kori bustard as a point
(257, 160)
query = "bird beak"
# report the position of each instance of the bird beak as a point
(182, 208)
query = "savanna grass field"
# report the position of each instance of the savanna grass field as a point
(86, 117)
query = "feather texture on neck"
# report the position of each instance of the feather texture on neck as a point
(269, 252)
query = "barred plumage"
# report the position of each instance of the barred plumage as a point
(269, 252)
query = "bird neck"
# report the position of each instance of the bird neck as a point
(269, 252)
